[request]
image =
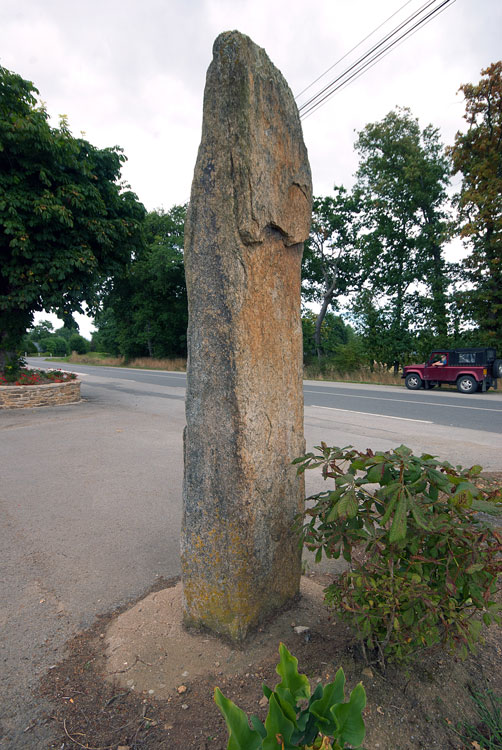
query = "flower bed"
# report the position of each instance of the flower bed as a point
(32, 388)
(25, 376)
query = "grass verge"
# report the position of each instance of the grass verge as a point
(107, 360)
(486, 733)
(378, 376)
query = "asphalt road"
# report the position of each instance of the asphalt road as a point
(478, 411)
(90, 501)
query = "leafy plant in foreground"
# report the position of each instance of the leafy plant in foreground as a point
(425, 567)
(297, 719)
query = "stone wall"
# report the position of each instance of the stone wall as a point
(28, 396)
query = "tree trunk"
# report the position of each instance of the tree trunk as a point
(438, 285)
(4, 357)
(149, 341)
(13, 325)
(5, 353)
(328, 296)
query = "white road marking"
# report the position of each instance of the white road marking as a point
(369, 414)
(406, 401)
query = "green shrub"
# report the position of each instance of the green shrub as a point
(14, 364)
(426, 569)
(78, 344)
(325, 721)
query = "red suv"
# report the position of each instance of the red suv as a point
(469, 369)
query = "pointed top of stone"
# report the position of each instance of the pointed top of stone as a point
(250, 112)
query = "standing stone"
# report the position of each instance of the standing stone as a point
(249, 214)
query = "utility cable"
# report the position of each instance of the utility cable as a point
(366, 61)
(362, 72)
(373, 49)
(352, 50)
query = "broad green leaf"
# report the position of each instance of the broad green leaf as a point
(286, 702)
(433, 493)
(378, 458)
(351, 727)
(302, 458)
(333, 694)
(403, 450)
(408, 616)
(347, 506)
(399, 523)
(391, 504)
(410, 474)
(475, 629)
(475, 568)
(332, 515)
(258, 726)
(388, 490)
(276, 723)
(417, 514)
(241, 737)
(375, 474)
(418, 487)
(296, 683)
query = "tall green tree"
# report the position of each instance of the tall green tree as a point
(477, 156)
(144, 311)
(403, 175)
(331, 267)
(66, 223)
(42, 330)
(334, 333)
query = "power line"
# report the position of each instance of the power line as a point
(379, 50)
(373, 62)
(398, 44)
(372, 55)
(352, 50)
(373, 49)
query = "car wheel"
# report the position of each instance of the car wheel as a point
(467, 384)
(497, 368)
(413, 381)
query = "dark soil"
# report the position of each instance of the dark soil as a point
(406, 709)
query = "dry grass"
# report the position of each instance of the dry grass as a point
(144, 363)
(377, 377)
(95, 358)
(311, 372)
(174, 365)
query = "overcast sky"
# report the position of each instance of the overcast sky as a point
(132, 73)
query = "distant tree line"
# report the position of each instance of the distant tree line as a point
(376, 253)
(60, 342)
(374, 267)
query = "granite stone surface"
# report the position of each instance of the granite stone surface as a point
(249, 214)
